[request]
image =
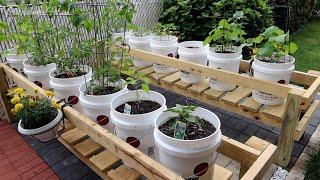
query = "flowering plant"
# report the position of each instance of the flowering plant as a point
(33, 110)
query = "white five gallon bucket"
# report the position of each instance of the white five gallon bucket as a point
(97, 107)
(141, 43)
(39, 74)
(224, 61)
(137, 129)
(16, 60)
(68, 88)
(188, 158)
(166, 46)
(196, 52)
(274, 72)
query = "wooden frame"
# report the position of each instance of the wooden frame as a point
(239, 101)
(101, 150)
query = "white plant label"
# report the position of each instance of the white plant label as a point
(127, 109)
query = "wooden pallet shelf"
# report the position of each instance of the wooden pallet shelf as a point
(102, 150)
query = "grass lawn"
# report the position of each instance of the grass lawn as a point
(308, 41)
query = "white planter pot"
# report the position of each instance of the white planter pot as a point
(187, 157)
(225, 61)
(68, 88)
(274, 72)
(166, 46)
(44, 133)
(141, 43)
(16, 60)
(97, 107)
(39, 74)
(137, 128)
(195, 52)
(147, 12)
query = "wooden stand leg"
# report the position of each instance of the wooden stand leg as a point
(286, 139)
(4, 99)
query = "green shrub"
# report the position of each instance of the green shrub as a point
(313, 167)
(302, 12)
(196, 18)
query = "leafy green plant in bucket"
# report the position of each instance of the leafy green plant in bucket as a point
(164, 31)
(227, 34)
(275, 45)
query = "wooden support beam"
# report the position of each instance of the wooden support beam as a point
(226, 76)
(4, 100)
(310, 94)
(290, 122)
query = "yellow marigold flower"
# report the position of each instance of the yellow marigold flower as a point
(19, 91)
(49, 94)
(32, 103)
(13, 111)
(15, 100)
(18, 107)
(56, 105)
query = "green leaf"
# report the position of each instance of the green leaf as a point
(238, 15)
(267, 50)
(224, 23)
(279, 38)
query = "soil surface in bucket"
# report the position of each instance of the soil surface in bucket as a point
(64, 75)
(42, 119)
(105, 91)
(193, 131)
(141, 107)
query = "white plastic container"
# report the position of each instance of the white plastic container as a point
(274, 72)
(195, 52)
(39, 74)
(224, 61)
(141, 43)
(68, 88)
(137, 129)
(97, 107)
(188, 157)
(16, 60)
(166, 46)
(44, 133)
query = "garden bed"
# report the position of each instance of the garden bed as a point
(101, 150)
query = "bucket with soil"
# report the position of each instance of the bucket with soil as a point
(66, 85)
(274, 71)
(96, 104)
(133, 113)
(189, 152)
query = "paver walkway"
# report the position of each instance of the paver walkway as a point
(18, 160)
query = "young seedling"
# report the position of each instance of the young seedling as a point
(164, 31)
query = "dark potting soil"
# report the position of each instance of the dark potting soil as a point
(65, 75)
(144, 106)
(193, 131)
(107, 90)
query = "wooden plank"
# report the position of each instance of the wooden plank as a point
(232, 148)
(4, 99)
(313, 72)
(87, 148)
(213, 94)
(199, 87)
(305, 120)
(104, 160)
(73, 136)
(250, 104)
(158, 76)
(147, 70)
(222, 75)
(221, 173)
(275, 112)
(257, 143)
(286, 138)
(310, 94)
(235, 96)
(124, 173)
(85, 160)
(171, 78)
(262, 164)
(182, 85)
